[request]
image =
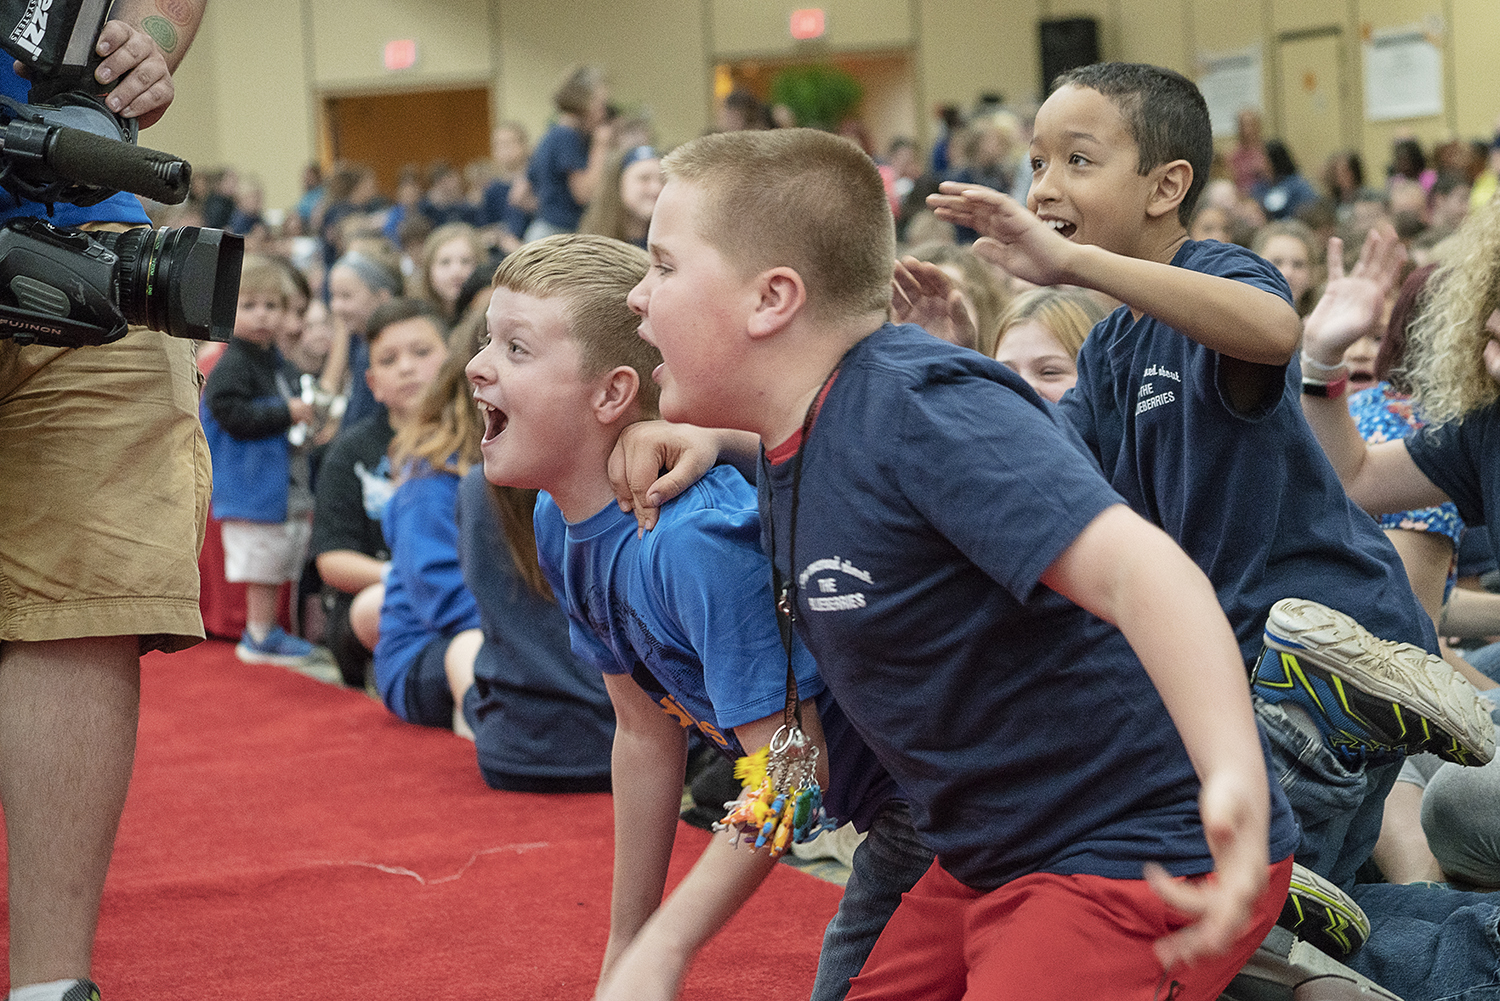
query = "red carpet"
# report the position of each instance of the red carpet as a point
(285, 839)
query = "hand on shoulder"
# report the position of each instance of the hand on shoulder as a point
(643, 450)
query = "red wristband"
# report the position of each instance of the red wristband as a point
(1330, 390)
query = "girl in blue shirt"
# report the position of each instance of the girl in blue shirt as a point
(429, 621)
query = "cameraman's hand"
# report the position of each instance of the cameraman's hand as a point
(134, 58)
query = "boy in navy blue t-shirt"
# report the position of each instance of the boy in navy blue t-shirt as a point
(681, 622)
(956, 589)
(1186, 396)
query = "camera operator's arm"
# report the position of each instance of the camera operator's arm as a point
(142, 44)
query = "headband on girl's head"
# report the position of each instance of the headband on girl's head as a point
(374, 274)
(636, 155)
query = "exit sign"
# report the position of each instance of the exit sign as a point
(808, 23)
(401, 54)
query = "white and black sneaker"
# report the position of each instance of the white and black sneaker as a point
(1322, 915)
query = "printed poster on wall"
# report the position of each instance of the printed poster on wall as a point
(1403, 75)
(1230, 82)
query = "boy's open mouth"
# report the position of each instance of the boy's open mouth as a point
(1062, 227)
(494, 420)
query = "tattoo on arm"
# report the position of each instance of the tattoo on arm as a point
(178, 11)
(160, 29)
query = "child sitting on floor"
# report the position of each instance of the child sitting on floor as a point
(540, 716)
(406, 349)
(429, 622)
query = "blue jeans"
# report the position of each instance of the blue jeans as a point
(1426, 943)
(1340, 809)
(1485, 660)
(886, 864)
(1430, 943)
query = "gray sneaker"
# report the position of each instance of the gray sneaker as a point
(1367, 692)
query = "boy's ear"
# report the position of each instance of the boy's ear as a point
(1172, 183)
(616, 395)
(780, 296)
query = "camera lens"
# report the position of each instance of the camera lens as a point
(184, 281)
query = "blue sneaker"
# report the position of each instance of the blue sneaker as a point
(1368, 693)
(280, 648)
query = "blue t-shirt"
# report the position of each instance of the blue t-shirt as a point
(495, 207)
(562, 151)
(539, 713)
(425, 596)
(121, 207)
(936, 489)
(687, 612)
(1282, 199)
(361, 403)
(1249, 496)
(1460, 458)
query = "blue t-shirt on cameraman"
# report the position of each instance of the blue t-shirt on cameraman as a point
(121, 207)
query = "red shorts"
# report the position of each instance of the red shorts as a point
(1062, 938)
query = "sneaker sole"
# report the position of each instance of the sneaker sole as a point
(1322, 915)
(1404, 697)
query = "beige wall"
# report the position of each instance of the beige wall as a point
(248, 92)
(654, 52)
(968, 47)
(741, 29)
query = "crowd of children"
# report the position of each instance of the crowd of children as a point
(1009, 622)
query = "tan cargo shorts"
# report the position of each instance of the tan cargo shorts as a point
(104, 491)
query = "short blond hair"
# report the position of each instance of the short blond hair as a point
(1068, 312)
(797, 198)
(592, 276)
(259, 273)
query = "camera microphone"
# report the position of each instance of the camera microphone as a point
(94, 160)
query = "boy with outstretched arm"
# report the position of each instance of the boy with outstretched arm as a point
(680, 622)
(957, 590)
(1187, 398)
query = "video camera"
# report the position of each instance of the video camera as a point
(67, 287)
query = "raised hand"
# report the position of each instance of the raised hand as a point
(1352, 304)
(1011, 235)
(922, 293)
